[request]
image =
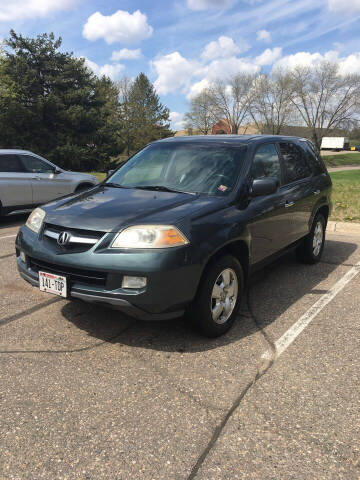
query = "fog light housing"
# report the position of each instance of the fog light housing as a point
(22, 256)
(133, 282)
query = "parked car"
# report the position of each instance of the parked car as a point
(181, 226)
(28, 180)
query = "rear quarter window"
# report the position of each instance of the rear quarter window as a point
(313, 159)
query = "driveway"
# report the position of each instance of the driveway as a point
(87, 393)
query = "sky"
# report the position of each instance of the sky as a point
(183, 45)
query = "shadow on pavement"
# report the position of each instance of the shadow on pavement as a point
(272, 291)
(13, 221)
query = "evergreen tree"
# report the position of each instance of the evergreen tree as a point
(52, 104)
(148, 118)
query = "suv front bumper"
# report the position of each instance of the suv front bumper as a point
(171, 279)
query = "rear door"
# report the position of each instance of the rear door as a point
(15, 183)
(269, 226)
(47, 185)
(298, 189)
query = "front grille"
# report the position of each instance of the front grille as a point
(86, 277)
(85, 239)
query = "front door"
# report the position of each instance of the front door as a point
(47, 185)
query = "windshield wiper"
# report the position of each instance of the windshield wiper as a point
(161, 188)
(115, 185)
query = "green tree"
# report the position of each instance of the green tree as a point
(52, 104)
(147, 119)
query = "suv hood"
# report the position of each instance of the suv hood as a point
(109, 209)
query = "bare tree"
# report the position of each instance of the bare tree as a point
(231, 99)
(201, 115)
(125, 85)
(271, 104)
(324, 98)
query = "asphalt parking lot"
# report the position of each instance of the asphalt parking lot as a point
(87, 393)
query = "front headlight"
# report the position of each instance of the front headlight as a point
(35, 220)
(149, 236)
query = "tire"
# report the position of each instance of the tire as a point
(227, 273)
(311, 249)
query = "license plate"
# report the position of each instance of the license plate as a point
(55, 284)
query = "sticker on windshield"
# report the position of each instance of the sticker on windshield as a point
(222, 188)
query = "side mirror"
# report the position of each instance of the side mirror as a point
(57, 171)
(264, 186)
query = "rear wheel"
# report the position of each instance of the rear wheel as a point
(311, 249)
(219, 297)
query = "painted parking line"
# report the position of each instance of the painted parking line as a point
(294, 331)
(8, 236)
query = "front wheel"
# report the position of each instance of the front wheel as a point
(311, 249)
(219, 297)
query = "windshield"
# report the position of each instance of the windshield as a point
(209, 168)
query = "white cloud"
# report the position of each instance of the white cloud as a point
(23, 9)
(197, 88)
(226, 67)
(347, 65)
(111, 71)
(344, 6)
(263, 36)
(121, 27)
(224, 47)
(207, 4)
(350, 64)
(174, 72)
(177, 120)
(269, 56)
(126, 54)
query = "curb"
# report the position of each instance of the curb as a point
(344, 227)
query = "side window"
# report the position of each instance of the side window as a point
(11, 163)
(295, 164)
(313, 159)
(35, 165)
(266, 162)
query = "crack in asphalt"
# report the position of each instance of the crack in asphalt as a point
(29, 311)
(262, 369)
(59, 351)
(75, 350)
(7, 256)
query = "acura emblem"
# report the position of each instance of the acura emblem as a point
(63, 238)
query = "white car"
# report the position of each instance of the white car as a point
(28, 180)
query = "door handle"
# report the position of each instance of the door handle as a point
(316, 192)
(289, 204)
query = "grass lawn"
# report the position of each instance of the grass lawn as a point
(346, 196)
(342, 159)
(99, 175)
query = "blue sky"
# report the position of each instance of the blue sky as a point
(182, 45)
